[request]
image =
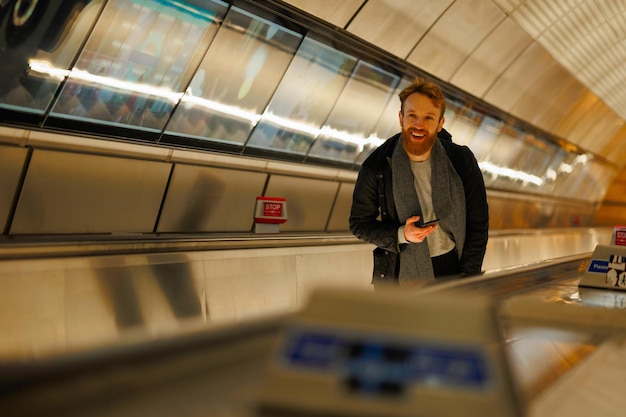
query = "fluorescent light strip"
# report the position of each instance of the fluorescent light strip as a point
(234, 111)
(510, 173)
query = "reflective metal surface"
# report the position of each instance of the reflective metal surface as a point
(483, 67)
(396, 26)
(12, 162)
(201, 199)
(66, 297)
(337, 13)
(309, 201)
(79, 193)
(220, 370)
(450, 41)
(87, 186)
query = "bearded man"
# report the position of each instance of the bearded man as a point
(420, 198)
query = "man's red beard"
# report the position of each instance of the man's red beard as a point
(417, 148)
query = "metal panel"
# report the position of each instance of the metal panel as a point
(341, 210)
(583, 105)
(72, 193)
(309, 201)
(336, 12)
(493, 55)
(596, 128)
(538, 97)
(615, 150)
(11, 165)
(561, 104)
(201, 199)
(384, 22)
(455, 35)
(512, 84)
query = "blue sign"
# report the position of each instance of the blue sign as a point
(382, 367)
(598, 266)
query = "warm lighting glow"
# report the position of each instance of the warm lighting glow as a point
(252, 117)
(233, 111)
(76, 74)
(510, 173)
(43, 67)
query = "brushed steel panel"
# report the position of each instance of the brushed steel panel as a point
(32, 314)
(66, 193)
(610, 214)
(48, 306)
(586, 101)
(493, 56)
(13, 136)
(537, 99)
(309, 201)
(615, 150)
(12, 161)
(338, 13)
(597, 116)
(244, 285)
(341, 210)
(601, 132)
(396, 26)
(208, 199)
(524, 72)
(155, 291)
(561, 104)
(455, 35)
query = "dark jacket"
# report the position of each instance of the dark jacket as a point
(373, 217)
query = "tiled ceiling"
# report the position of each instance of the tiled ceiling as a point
(588, 37)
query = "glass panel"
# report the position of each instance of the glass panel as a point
(486, 130)
(563, 171)
(534, 161)
(303, 99)
(357, 110)
(455, 110)
(463, 125)
(591, 180)
(499, 165)
(38, 42)
(604, 176)
(518, 161)
(126, 76)
(388, 123)
(236, 79)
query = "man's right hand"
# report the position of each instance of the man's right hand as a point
(414, 234)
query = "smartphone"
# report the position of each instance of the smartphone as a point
(427, 223)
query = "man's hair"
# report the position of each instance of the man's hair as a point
(427, 88)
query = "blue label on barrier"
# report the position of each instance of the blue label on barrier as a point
(314, 350)
(598, 266)
(382, 367)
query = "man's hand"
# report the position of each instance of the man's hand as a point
(414, 234)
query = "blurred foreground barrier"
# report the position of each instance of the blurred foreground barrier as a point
(391, 354)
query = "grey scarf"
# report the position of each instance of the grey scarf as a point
(448, 203)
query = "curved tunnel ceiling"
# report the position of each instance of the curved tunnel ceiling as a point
(556, 64)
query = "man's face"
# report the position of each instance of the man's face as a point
(420, 124)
